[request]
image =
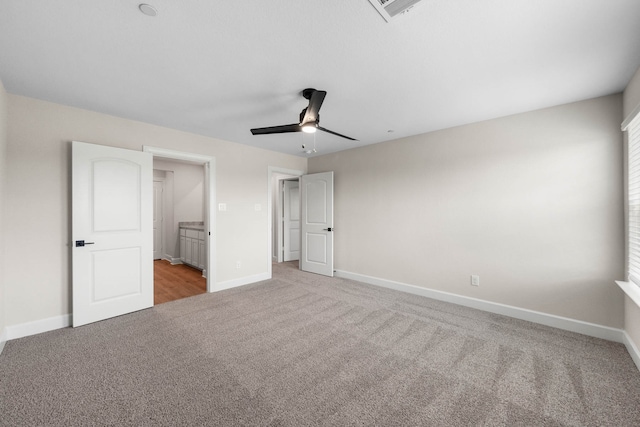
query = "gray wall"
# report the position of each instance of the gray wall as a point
(532, 203)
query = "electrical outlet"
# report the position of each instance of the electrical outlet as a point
(238, 264)
(475, 280)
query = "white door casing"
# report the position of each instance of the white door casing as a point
(291, 220)
(209, 164)
(316, 248)
(158, 220)
(112, 213)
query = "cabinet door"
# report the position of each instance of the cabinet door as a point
(195, 248)
(201, 252)
(183, 249)
(188, 255)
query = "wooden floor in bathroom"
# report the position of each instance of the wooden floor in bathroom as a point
(172, 282)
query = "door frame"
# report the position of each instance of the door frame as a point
(281, 208)
(163, 243)
(272, 172)
(209, 163)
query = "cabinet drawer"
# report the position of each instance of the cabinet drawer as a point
(192, 233)
(201, 235)
(182, 231)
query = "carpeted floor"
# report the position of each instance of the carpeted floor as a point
(305, 350)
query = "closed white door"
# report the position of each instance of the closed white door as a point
(112, 214)
(316, 250)
(291, 220)
(158, 204)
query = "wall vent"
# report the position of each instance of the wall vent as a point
(390, 9)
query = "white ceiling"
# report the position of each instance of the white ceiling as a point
(220, 68)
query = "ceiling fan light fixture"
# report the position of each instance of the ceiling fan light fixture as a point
(309, 128)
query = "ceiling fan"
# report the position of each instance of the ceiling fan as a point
(309, 118)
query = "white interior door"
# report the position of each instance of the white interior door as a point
(291, 220)
(112, 235)
(316, 249)
(158, 220)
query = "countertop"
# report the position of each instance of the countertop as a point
(193, 225)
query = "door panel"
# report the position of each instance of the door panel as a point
(316, 223)
(112, 214)
(316, 244)
(109, 282)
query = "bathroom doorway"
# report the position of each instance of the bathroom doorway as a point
(183, 195)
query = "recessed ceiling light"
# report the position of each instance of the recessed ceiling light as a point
(147, 9)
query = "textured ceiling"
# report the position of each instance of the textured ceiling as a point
(219, 68)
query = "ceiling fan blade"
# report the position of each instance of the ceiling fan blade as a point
(294, 127)
(335, 133)
(315, 102)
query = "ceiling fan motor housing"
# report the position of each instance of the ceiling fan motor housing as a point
(302, 114)
(306, 93)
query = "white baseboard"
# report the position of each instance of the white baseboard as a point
(38, 326)
(632, 349)
(173, 261)
(567, 324)
(228, 284)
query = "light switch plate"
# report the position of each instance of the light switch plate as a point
(475, 280)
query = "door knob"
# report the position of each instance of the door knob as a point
(81, 243)
(328, 229)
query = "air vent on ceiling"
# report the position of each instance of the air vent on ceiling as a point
(390, 9)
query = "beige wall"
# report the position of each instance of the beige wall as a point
(631, 98)
(631, 95)
(38, 188)
(532, 203)
(3, 150)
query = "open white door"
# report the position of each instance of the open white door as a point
(112, 233)
(291, 220)
(316, 249)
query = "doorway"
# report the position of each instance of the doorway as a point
(289, 219)
(276, 176)
(315, 222)
(178, 215)
(177, 278)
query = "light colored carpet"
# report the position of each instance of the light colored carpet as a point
(304, 350)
